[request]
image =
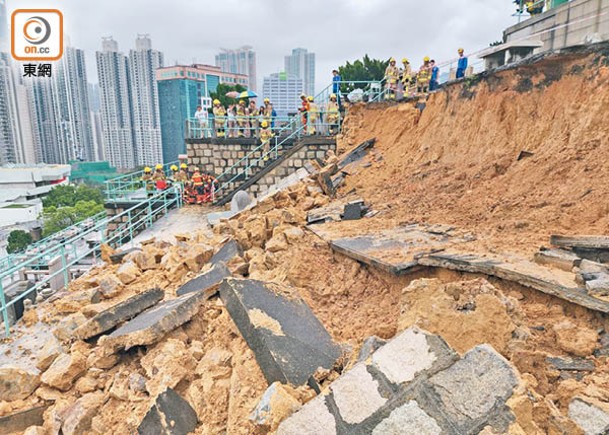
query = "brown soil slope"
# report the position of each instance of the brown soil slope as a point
(457, 161)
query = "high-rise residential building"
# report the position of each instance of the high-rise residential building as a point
(239, 61)
(96, 123)
(143, 62)
(284, 91)
(301, 64)
(115, 96)
(181, 89)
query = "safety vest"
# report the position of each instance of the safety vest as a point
(392, 73)
(197, 180)
(424, 74)
(219, 114)
(407, 73)
(265, 134)
(313, 111)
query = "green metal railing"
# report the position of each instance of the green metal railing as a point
(68, 253)
(124, 187)
(239, 126)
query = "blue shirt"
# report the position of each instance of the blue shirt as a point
(462, 64)
(335, 84)
(434, 73)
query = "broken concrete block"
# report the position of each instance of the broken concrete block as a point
(277, 243)
(592, 419)
(275, 405)
(110, 286)
(397, 361)
(166, 365)
(197, 256)
(370, 345)
(66, 326)
(75, 301)
(117, 257)
(65, 370)
(354, 210)
(559, 258)
(357, 395)
(475, 389)
(20, 421)
(408, 418)
(170, 415)
(128, 272)
(313, 419)
(17, 383)
(599, 286)
(588, 266)
(205, 281)
(288, 340)
(227, 252)
(118, 313)
(293, 234)
(577, 364)
(99, 359)
(151, 325)
(77, 418)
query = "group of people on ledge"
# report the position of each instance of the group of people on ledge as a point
(409, 83)
(195, 183)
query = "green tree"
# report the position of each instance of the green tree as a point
(57, 218)
(68, 195)
(18, 240)
(221, 92)
(366, 69)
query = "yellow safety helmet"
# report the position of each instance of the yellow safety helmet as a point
(241, 101)
(404, 60)
(460, 50)
(426, 59)
(264, 124)
(310, 98)
(147, 169)
(184, 166)
(174, 168)
(333, 96)
(266, 100)
(159, 166)
(392, 60)
(216, 101)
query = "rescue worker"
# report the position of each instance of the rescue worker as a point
(147, 181)
(219, 118)
(534, 8)
(313, 115)
(265, 137)
(197, 183)
(424, 76)
(267, 115)
(252, 114)
(461, 64)
(159, 178)
(241, 118)
(182, 175)
(392, 75)
(332, 114)
(174, 174)
(406, 76)
(304, 110)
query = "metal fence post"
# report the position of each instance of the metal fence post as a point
(130, 227)
(7, 330)
(64, 266)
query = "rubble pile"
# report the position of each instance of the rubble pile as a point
(390, 292)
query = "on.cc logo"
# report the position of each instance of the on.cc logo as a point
(36, 30)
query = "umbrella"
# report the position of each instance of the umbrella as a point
(233, 94)
(247, 94)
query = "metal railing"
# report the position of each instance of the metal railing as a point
(53, 268)
(125, 186)
(238, 126)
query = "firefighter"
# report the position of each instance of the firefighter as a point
(174, 173)
(313, 115)
(159, 178)
(252, 114)
(265, 137)
(304, 110)
(182, 176)
(147, 181)
(219, 118)
(267, 115)
(424, 76)
(241, 118)
(197, 183)
(332, 114)
(392, 75)
(406, 76)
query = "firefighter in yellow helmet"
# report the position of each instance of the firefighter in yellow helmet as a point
(219, 118)
(241, 118)
(313, 115)
(265, 137)
(182, 175)
(392, 75)
(147, 181)
(332, 114)
(424, 76)
(406, 76)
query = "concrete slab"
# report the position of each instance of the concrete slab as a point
(411, 353)
(215, 218)
(394, 250)
(473, 391)
(170, 415)
(517, 269)
(20, 421)
(371, 345)
(227, 252)
(206, 281)
(559, 258)
(151, 325)
(288, 340)
(313, 419)
(592, 420)
(408, 419)
(118, 313)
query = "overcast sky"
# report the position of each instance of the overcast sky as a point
(335, 30)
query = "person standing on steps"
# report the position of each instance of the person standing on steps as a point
(313, 115)
(461, 64)
(219, 118)
(265, 137)
(392, 75)
(332, 114)
(336, 79)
